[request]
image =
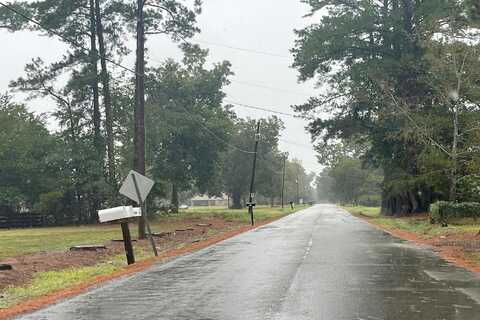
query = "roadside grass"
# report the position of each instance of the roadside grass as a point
(419, 224)
(49, 281)
(372, 212)
(261, 213)
(23, 241)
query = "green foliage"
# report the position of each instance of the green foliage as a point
(348, 182)
(237, 168)
(26, 160)
(444, 211)
(186, 123)
(468, 188)
(90, 144)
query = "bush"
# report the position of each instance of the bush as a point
(468, 188)
(443, 211)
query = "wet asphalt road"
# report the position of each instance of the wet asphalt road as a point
(320, 263)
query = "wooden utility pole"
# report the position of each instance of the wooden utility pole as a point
(298, 182)
(139, 114)
(283, 179)
(251, 199)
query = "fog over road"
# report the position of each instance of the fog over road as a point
(320, 263)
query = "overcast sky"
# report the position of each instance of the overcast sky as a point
(264, 80)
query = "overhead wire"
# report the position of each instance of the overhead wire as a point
(255, 85)
(265, 53)
(266, 109)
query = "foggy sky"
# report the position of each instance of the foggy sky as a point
(257, 25)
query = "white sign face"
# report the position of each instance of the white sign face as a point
(144, 186)
(118, 213)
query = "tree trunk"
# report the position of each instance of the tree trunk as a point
(97, 138)
(97, 118)
(107, 100)
(237, 200)
(174, 202)
(404, 203)
(139, 114)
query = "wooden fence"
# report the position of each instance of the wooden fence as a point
(22, 220)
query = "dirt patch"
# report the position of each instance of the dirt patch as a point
(193, 240)
(24, 267)
(457, 249)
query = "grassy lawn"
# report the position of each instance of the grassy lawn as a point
(420, 225)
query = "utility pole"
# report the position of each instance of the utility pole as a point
(139, 114)
(251, 200)
(283, 178)
(298, 193)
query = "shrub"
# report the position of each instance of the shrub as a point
(443, 211)
(468, 188)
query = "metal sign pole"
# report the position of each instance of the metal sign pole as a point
(144, 214)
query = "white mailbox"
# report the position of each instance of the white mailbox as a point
(118, 213)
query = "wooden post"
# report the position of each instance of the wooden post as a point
(127, 242)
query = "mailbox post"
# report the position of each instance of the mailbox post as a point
(127, 243)
(122, 214)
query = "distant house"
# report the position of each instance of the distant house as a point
(206, 201)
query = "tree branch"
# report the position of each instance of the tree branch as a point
(172, 15)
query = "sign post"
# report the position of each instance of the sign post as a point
(144, 214)
(137, 187)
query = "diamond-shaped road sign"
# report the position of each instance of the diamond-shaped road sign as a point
(144, 186)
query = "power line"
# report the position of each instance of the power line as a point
(265, 53)
(243, 105)
(256, 85)
(250, 84)
(296, 144)
(214, 134)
